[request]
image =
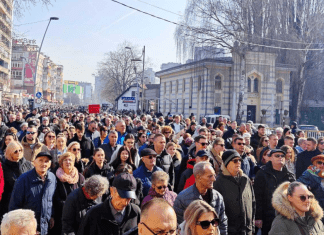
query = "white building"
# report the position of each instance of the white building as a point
(127, 100)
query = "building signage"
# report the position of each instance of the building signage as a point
(71, 82)
(128, 100)
(24, 41)
(30, 68)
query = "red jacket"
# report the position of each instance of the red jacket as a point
(187, 178)
(1, 181)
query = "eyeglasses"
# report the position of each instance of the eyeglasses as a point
(30, 133)
(151, 157)
(51, 136)
(279, 155)
(18, 150)
(222, 145)
(171, 232)
(160, 187)
(266, 140)
(321, 143)
(75, 149)
(205, 224)
(241, 143)
(237, 160)
(303, 197)
(320, 163)
(167, 132)
(203, 144)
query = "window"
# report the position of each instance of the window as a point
(249, 84)
(184, 84)
(218, 82)
(164, 87)
(199, 83)
(177, 84)
(183, 106)
(177, 107)
(190, 92)
(256, 85)
(170, 87)
(133, 93)
(279, 86)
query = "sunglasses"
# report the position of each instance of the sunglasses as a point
(241, 143)
(237, 160)
(167, 132)
(266, 140)
(222, 145)
(160, 187)
(75, 149)
(151, 157)
(320, 163)
(30, 133)
(303, 197)
(280, 155)
(321, 143)
(203, 144)
(18, 150)
(205, 224)
(51, 136)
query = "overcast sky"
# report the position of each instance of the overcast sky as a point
(89, 28)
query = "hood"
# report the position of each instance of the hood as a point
(282, 205)
(191, 163)
(226, 172)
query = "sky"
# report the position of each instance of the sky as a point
(87, 29)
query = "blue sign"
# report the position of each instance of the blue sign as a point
(39, 95)
(128, 100)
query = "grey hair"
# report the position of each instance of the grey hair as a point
(301, 140)
(17, 218)
(96, 185)
(23, 124)
(120, 121)
(199, 168)
(113, 132)
(159, 176)
(279, 129)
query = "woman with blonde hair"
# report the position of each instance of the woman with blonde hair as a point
(60, 148)
(13, 166)
(174, 151)
(74, 147)
(50, 140)
(200, 218)
(290, 158)
(68, 179)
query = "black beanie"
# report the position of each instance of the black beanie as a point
(229, 155)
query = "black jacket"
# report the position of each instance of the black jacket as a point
(265, 183)
(239, 201)
(93, 169)
(3, 129)
(255, 140)
(304, 161)
(11, 172)
(100, 220)
(86, 145)
(108, 151)
(74, 210)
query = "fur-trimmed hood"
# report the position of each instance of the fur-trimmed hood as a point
(282, 205)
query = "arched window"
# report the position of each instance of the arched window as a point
(199, 83)
(249, 85)
(218, 82)
(256, 85)
(279, 86)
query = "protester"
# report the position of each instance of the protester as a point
(18, 222)
(110, 147)
(60, 148)
(216, 152)
(34, 190)
(301, 145)
(297, 211)
(92, 133)
(8, 138)
(50, 140)
(290, 159)
(13, 166)
(99, 166)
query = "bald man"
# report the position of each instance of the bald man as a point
(157, 217)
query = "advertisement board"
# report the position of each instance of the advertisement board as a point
(128, 99)
(30, 67)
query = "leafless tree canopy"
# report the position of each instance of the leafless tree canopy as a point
(290, 28)
(118, 70)
(21, 5)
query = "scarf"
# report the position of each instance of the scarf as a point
(71, 178)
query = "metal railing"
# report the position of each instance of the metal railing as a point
(315, 134)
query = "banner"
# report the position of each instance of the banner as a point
(30, 67)
(128, 100)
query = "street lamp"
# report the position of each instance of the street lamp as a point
(39, 51)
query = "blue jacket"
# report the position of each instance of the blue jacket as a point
(191, 194)
(31, 193)
(304, 161)
(247, 166)
(315, 183)
(146, 177)
(120, 139)
(95, 137)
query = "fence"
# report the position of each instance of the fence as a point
(315, 134)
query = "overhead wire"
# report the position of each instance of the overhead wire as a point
(31, 22)
(254, 44)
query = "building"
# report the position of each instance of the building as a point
(213, 86)
(127, 100)
(149, 77)
(152, 97)
(98, 98)
(87, 92)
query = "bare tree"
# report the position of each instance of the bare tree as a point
(21, 5)
(286, 27)
(119, 71)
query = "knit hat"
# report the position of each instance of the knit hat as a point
(229, 155)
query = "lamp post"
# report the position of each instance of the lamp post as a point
(39, 51)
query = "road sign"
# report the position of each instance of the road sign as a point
(94, 108)
(39, 95)
(38, 101)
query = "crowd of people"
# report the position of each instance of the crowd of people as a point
(71, 172)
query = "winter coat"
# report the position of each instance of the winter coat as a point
(94, 137)
(217, 160)
(169, 196)
(146, 177)
(3, 129)
(74, 210)
(93, 169)
(30, 192)
(265, 184)
(86, 146)
(288, 222)
(11, 172)
(63, 189)
(314, 183)
(255, 140)
(304, 161)
(136, 159)
(239, 201)
(190, 194)
(100, 220)
(187, 178)
(247, 166)
(108, 150)
(1, 182)
(120, 139)
(29, 153)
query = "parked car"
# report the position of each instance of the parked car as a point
(308, 128)
(213, 118)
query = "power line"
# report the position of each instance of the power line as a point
(254, 44)
(31, 22)
(159, 8)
